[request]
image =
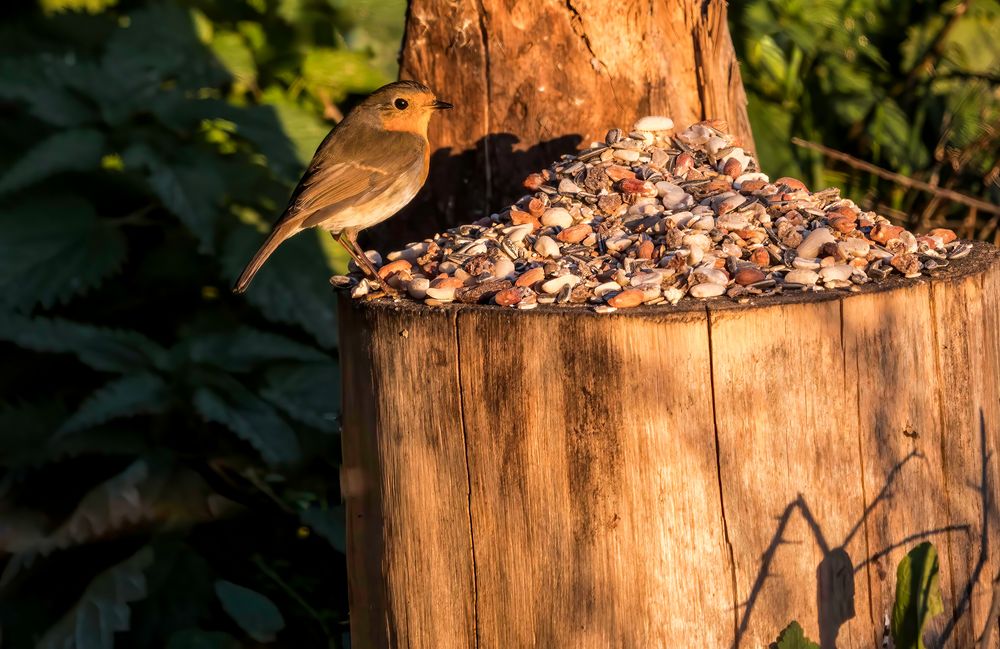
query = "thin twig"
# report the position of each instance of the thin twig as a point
(899, 179)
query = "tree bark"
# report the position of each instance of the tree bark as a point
(690, 476)
(533, 80)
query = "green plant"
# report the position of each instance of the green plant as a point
(793, 637)
(918, 599)
(911, 86)
(169, 451)
(918, 596)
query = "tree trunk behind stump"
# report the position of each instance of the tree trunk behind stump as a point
(534, 80)
(695, 476)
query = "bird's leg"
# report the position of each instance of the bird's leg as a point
(350, 244)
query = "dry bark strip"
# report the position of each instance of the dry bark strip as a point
(533, 80)
(689, 476)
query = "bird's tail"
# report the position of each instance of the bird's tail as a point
(275, 239)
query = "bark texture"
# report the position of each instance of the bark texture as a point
(672, 477)
(533, 80)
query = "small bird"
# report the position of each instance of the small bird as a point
(365, 170)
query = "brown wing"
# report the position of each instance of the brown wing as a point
(350, 170)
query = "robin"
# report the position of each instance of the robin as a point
(366, 169)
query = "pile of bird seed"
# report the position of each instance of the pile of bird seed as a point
(655, 216)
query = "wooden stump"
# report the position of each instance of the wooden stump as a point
(696, 476)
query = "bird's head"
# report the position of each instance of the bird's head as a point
(403, 106)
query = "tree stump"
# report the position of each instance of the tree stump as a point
(695, 476)
(533, 80)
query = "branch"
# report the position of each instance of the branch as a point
(899, 179)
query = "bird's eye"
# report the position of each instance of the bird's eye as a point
(401, 104)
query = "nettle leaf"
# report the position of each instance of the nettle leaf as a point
(89, 6)
(308, 392)
(114, 504)
(292, 286)
(103, 609)
(254, 613)
(300, 126)
(135, 394)
(189, 190)
(258, 125)
(340, 71)
(108, 350)
(149, 492)
(42, 84)
(235, 56)
(245, 348)
(918, 596)
(73, 150)
(251, 418)
(53, 249)
(160, 42)
(793, 637)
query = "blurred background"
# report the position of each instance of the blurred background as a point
(170, 452)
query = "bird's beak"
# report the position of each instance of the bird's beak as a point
(440, 105)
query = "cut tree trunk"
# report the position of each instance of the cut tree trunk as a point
(695, 476)
(534, 80)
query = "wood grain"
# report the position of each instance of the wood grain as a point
(405, 483)
(790, 479)
(534, 80)
(695, 476)
(589, 533)
(965, 318)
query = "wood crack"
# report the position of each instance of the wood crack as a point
(718, 474)
(468, 478)
(576, 23)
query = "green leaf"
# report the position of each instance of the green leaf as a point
(45, 84)
(104, 607)
(328, 523)
(292, 286)
(73, 150)
(53, 249)
(160, 41)
(918, 596)
(309, 393)
(28, 437)
(131, 395)
(793, 637)
(235, 56)
(258, 125)
(251, 418)
(254, 613)
(89, 6)
(198, 639)
(340, 72)
(245, 348)
(107, 350)
(301, 127)
(188, 190)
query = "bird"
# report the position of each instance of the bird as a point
(370, 165)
